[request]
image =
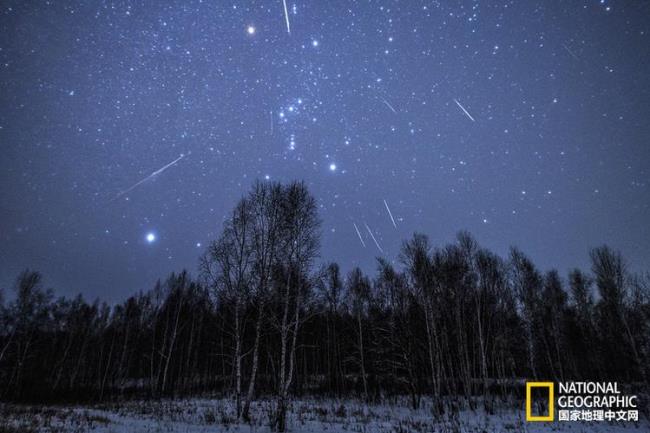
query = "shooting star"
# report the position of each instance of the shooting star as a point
(359, 234)
(286, 16)
(464, 111)
(571, 52)
(389, 106)
(271, 115)
(151, 176)
(373, 238)
(390, 214)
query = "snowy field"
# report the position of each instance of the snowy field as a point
(310, 415)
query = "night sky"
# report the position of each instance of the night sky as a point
(130, 129)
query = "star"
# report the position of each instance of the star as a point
(250, 30)
(151, 237)
(332, 167)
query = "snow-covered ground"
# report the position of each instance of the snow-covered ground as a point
(306, 415)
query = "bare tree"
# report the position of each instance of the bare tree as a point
(611, 276)
(528, 284)
(228, 265)
(415, 258)
(300, 242)
(358, 288)
(332, 294)
(266, 210)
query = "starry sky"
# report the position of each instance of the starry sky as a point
(130, 129)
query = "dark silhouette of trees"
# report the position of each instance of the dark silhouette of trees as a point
(456, 323)
(614, 312)
(228, 268)
(358, 289)
(298, 247)
(330, 300)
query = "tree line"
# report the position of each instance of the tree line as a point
(456, 323)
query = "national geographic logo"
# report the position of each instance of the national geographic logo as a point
(579, 401)
(530, 386)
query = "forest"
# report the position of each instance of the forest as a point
(264, 318)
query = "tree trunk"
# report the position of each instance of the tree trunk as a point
(256, 350)
(171, 348)
(362, 359)
(237, 359)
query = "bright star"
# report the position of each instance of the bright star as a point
(332, 167)
(250, 30)
(151, 237)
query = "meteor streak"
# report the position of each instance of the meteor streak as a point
(286, 16)
(373, 238)
(271, 115)
(390, 214)
(151, 176)
(570, 52)
(464, 111)
(359, 234)
(389, 106)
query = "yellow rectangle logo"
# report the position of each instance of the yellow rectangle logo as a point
(529, 401)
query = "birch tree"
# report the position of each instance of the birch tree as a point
(228, 265)
(300, 242)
